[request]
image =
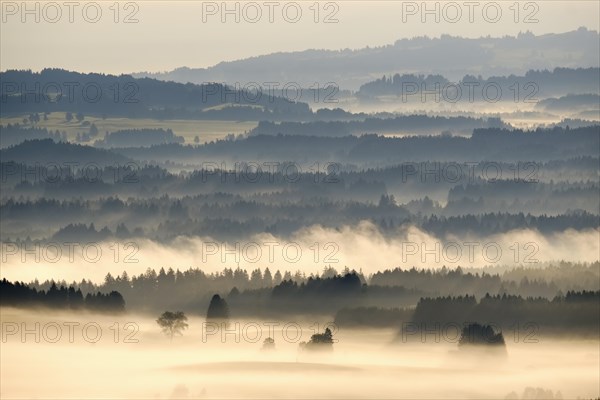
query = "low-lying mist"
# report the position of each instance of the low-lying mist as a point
(360, 247)
(81, 355)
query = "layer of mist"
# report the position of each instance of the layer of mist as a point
(363, 363)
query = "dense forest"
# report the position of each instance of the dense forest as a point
(20, 295)
(53, 90)
(497, 145)
(574, 312)
(232, 188)
(166, 218)
(347, 296)
(410, 124)
(377, 151)
(259, 292)
(543, 84)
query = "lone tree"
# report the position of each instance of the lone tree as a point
(93, 130)
(322, 338)
(476, 334)
(217, 309)
(172, 323)
(319, 341)
(268, 344)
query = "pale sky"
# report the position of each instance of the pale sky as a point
(172, 34)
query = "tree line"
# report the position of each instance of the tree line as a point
(574, 312)
(264, 292)
(58, 90)
(18, 294)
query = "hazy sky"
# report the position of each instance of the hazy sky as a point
(171, 34)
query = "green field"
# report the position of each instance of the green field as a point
(205, 130)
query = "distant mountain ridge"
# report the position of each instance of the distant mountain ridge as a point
(351, 68)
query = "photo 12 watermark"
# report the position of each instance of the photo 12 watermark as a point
(118, 91)
(451, 332)
(253, 252)
(71, 252)
(69, 171)
(452, 12)
(255, 332)
(53, 12)
(463, 252)
(69, 332)
(253, 12)
(269, 92)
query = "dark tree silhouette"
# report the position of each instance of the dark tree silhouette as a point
(20, 295)
(93, 130)
(172, 323)
(322, 338)
(217, 309)
(319, 341)
(268, 344)
(476, 334)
